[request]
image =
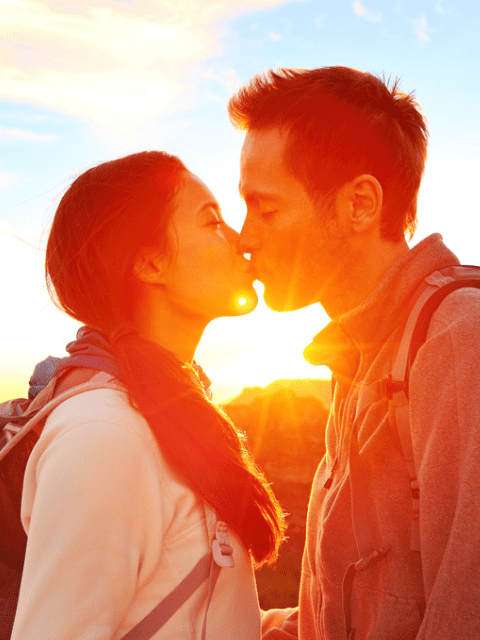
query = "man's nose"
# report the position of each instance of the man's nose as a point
(231, 235)
(248, 240)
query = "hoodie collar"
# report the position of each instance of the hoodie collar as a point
(367, 326)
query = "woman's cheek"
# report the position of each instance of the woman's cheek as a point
(221, 235)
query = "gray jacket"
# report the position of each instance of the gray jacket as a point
(434, 595)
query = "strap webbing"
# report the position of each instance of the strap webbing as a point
(214, 573)
(99, 381)
(424, 317)
(413, 337)
(155, 620)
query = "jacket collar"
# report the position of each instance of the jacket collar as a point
(367, 326)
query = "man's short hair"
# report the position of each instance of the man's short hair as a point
(342, 123)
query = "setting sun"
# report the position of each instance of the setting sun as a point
(244, 303)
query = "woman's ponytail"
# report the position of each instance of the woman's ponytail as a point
(201, 443)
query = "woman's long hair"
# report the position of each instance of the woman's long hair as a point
(106, 216)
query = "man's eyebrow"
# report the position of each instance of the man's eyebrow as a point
(257, 196)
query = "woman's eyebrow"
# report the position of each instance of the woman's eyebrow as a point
(210, 205)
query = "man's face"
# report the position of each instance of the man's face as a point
(294, 242)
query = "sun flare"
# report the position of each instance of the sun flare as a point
(243, 303)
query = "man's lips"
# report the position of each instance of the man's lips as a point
(256, 273)
(251, 270)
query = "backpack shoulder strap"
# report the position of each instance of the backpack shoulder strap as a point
(101, 380)
(207, 567)
(148, 626)
(431, 293)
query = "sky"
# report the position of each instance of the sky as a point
(85, 82)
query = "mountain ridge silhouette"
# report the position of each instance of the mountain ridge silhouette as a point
(302, 387)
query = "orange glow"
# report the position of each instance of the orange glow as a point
(244, 303)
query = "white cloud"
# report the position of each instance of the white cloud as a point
(444, 11)
(11, 133)
(214, 98)
(25, 117)
(421, 28)
(318, 21)
(105, 61)
(274, 36)
(367, 14)
(8, 180)
(228, 79)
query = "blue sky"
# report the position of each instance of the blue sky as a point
(82, 82)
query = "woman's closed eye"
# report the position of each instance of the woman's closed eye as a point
(268, 214)
(215, 221)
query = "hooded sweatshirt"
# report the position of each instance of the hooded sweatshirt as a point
(404, 595)
(112, 530)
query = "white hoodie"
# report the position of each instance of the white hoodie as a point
(112, 530)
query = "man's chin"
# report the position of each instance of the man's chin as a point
(280, 300)
(279, 303)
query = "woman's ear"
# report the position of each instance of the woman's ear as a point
(361, 200)
(150, 266)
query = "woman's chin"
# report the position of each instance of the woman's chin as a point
(246, 304)
(239, 303)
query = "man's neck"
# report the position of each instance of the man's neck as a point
(361, 276)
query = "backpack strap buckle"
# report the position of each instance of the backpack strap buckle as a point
(221, 549)
(388, 387)
(10, 430)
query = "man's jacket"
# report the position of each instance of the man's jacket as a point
(404, 595)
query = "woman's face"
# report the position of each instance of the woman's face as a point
(206, 277)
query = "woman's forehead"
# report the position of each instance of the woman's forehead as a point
(194, 197)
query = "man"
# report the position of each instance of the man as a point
(330, 170)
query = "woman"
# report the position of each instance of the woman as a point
(116, 487)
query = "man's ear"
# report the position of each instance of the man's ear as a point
(362, 199)
(150, 266)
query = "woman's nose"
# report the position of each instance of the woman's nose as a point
(232, 236)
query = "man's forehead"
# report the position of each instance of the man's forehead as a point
(259, 142)
(261, 161)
